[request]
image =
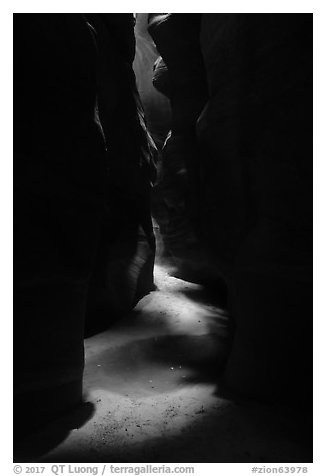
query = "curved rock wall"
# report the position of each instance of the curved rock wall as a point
(82, 177)
(250, 131)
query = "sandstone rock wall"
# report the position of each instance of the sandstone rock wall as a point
(241, 97)
(83, 233)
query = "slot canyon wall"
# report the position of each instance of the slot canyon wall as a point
(234, 194)
(84, 245)
(156, 104)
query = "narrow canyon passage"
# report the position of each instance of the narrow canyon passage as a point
(152, 393)
(163, 225)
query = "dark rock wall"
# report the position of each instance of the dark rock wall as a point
(256, 135)
(83, 233)
(257, 127)
(124, 268)
(241, 91)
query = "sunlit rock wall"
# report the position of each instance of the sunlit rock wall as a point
(156, 105)
(181, 76)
